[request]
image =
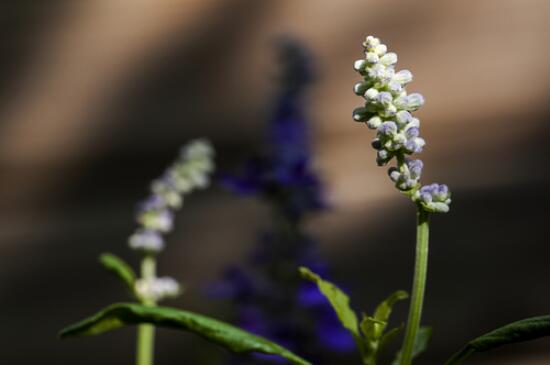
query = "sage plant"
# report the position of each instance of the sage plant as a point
(388, 109)
(155, 217)
(268, 296)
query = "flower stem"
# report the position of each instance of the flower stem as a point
(146, 332)
(419, 285)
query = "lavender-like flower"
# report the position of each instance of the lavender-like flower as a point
(283, 176)
(156, 213)
(388, 110)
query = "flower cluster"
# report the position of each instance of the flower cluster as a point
(156, 214)
(157, 289)
(283, 176)
(434, 197)
(388, 110)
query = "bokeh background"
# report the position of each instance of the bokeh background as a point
(97, 96)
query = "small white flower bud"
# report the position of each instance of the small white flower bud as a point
(360, 114)
(182, 182)
(414, 101)
(395, 87)
(403, 77)
(197, 149)
(360, 88)
(170, 196)
(400, 102)
(394, 174)
(439, 207)
(161, 220)
(146, 240)
(389, 111)
(388, 59)
(415, 122)
(360, 65)
(380, 50)
(372, 57)
(157, 289)
(371, 42)
(376, 72)
(403, 118)
(399, 140)
(384, 98)
(371, 94)
(387, 129)
(374, 122)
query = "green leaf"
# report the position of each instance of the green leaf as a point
(390, 335)
(120, 268)
(370, 327)
(384, 309)
(226, 335)
(520, 331)
(337, 299)
(374, 328)
(420, 344)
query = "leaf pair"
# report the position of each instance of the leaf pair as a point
(370, 334)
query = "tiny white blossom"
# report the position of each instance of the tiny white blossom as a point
(157, 289)
(388, 59)
(146, 240)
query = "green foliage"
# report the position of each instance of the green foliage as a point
(337, 298)
(420, 344)
(375, 327)
(370, 333)
(120, 268)
(390, 335)
(226, 335)
(520, 331)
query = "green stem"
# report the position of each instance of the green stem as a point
(146, 332)
(419, 285)
(145, 344)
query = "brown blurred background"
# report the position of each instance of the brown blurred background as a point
(96, 97)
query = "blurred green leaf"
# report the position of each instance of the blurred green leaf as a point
(384, 309)
(337, 299)
(374, 328)
(226, 335)
(120, 268)
(390, 335)
(369, 328)
(420, 344)
(520, 331)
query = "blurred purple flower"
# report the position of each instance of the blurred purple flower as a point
(270, 298)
